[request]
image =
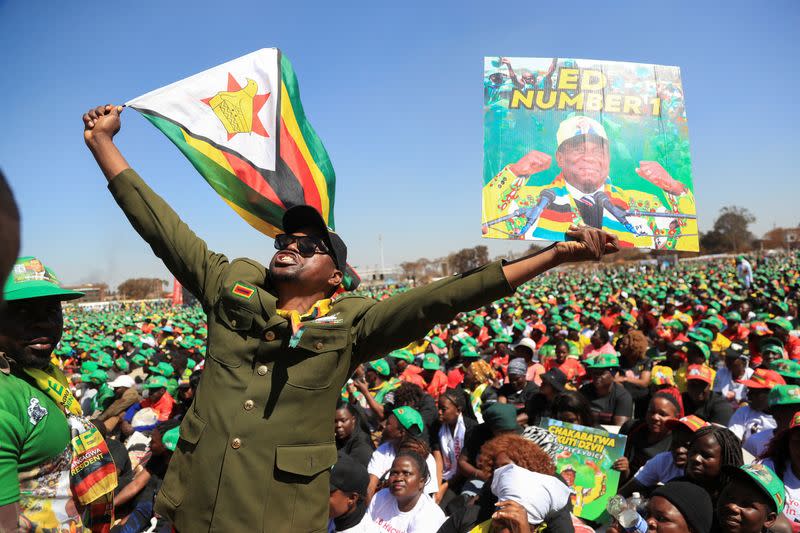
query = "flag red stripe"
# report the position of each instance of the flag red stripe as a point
(294, 159)
(250, 177)
(86, 483)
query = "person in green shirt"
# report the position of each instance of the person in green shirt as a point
(35, 453)
(257, 444)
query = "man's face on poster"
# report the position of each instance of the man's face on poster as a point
(584, 160)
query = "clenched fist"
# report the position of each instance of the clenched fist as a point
(102, 122)
(531, 163)
(586, 244)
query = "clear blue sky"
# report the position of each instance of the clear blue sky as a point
(394, 91)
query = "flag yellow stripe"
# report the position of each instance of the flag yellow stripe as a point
(267, 229)
(287, 114)
(209, 151)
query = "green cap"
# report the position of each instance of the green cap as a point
(468, 352)
(714, 321)
(496, 326)
(31, 279)
(733, 316)
(470, 341)
(786, 368)
(438, 342)
(501, 416)
(404, 355)
(170, 438)
(784, 395)
(702, 335)
(380, 366)
(156, 382)
(139, 359)
(105, 361)
(766, 480)
(548, 350)
(122, 364)
(431, 362)
(676, 324)
(409, 417)
(604, 360)
(162, 369)
(87, 367)
(97, 377)
(502, 338)
(190, 363)
(780, 322)
(478, 321)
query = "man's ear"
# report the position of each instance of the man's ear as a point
(336, 279)
(560, 159)
(772, 516)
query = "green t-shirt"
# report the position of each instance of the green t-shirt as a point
(33, 430)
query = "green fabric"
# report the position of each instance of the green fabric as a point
(23, 444)
(31, 279)
(404, 355)
(784, 395)
(380, 366)
(603, 360)
(431, 362)
(768, 482)
(409, 417)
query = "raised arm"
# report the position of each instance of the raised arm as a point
(397, 321)
(184, 254)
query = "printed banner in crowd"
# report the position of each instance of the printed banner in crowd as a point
(596, 143)
(242, 126)
(584, 458)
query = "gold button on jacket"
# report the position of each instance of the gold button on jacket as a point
(268, 468)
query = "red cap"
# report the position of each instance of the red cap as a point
(700, 373)
(763, 379)
(690, 422)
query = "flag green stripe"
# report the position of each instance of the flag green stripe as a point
(315, 146)
(227, 185)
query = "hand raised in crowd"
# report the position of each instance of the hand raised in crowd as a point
(512, 515)
(658, 176)
(531, 163)
(101, 122)
(586, 244)
(622, 466)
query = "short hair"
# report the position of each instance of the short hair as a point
(417, 458)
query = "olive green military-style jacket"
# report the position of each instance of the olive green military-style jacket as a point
(257, 444)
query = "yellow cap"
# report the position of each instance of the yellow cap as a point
(579, 125)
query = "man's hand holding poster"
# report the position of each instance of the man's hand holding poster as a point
(599, 143)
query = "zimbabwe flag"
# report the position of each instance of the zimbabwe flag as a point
(242, 126)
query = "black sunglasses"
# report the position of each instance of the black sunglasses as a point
(306, 244)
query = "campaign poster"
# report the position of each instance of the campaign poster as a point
(586, 142)
(584, 457)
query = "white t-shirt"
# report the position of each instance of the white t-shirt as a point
(757, 444)
(659, 469)
(724, 383)
(792, 484)
(747, 421)
(425, 517)
(383, 457)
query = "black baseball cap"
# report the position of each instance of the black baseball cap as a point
(348, 475)
(306, 216)
(556, 378)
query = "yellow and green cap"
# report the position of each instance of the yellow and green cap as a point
(380, 366)
(162, 369)
(409, 418)
(170, 438)
(403, 355)
(468, 352)
(784, 395)
(786, 368)
(778, 321)
(31, 279)
(766, 480)
(156, 382)
(431, 362)
(604, 360)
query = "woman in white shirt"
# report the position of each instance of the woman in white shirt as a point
(403, 507)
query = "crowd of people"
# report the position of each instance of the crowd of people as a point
(697, 365)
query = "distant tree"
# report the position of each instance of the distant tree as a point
(468, 258)
(141, 288)
(730, 232)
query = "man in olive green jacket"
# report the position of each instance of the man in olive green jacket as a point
(257, 444)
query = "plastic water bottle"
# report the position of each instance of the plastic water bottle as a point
(626, 514)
